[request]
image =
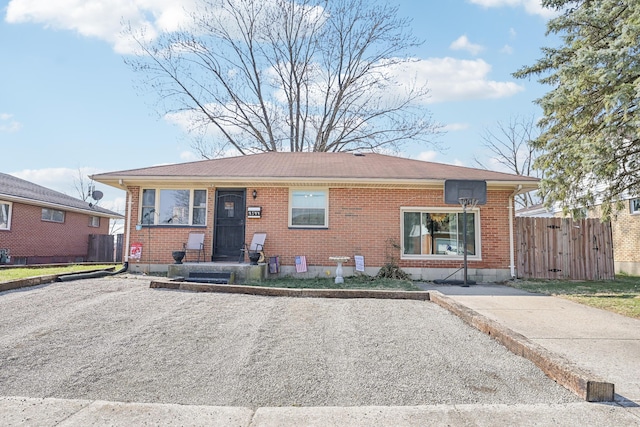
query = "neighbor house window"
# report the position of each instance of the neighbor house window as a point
(634, 205)
(308, 208)
(94, 221)
(438, 232)
(5, 215)
(53, 215)
(174, 207)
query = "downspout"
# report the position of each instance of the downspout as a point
(127, 227)
(512, 267)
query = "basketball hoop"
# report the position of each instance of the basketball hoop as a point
(468, 202)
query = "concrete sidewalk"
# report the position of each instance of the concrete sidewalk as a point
(17, 411)
(599, 341)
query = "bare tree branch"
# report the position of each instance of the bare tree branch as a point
(274, 75)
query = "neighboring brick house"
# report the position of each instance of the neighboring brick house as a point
(39, 225)
(321, 205)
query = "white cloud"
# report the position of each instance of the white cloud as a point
(427, 156)
(189, 156)
(102, 19)
(451, 79)
(532, 7)
(454, 127)
(7, 124)
(506, 49)
(463, 43)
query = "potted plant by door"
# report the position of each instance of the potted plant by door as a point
(178, 256)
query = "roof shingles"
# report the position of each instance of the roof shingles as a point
(13, 187)
(331, 166)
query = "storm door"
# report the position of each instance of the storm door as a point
(228, 234)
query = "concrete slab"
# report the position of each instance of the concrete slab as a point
(21, 411)
(18, 411)
(101, 413)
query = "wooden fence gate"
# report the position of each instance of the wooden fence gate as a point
(561, 248)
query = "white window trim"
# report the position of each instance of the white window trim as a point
(631, 210)
(4, 202)
(64, 216)
(156, 206)
(91, 218)
(478, 234)
(326, 207)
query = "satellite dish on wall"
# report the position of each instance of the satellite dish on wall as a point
(97, 195)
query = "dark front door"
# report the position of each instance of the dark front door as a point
(229, 225)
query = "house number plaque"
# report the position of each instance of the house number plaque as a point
(254, 211)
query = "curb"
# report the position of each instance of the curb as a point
(582, 382)
(291, 292)
(25, 283)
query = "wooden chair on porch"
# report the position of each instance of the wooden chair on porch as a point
(195, 243)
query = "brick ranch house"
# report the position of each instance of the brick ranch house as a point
(39, 225)
(321, 205)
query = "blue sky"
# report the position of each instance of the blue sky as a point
(68, 102)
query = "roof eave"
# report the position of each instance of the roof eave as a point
(121, 182)
(67, 208)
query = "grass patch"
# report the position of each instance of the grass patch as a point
(621, 295)
(354, 282)
(7, 274)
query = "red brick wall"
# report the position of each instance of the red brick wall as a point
(362, 221)
(44, 241)
(159, 241)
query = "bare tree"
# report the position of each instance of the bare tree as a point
(511, 146)
(83, 186)
(282, 75)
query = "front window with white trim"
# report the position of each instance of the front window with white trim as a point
(634, 206)
(5, 215)
(173, 207)
(308, 208)
(438, 232)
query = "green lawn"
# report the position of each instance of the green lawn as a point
(621, 295)
(7, 274)
(355, 282)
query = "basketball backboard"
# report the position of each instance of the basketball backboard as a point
(455, 189)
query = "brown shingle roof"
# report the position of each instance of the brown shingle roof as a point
(300, 166)
(16, 189)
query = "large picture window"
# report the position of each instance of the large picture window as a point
(5, 215)
(308, 208)
(174, 207)
(435, 232)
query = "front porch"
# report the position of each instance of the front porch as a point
(237, 273)
(240, 272)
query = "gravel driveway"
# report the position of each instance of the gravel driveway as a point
(116, 339)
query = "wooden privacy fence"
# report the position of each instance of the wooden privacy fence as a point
(100, 248)
(561, 248)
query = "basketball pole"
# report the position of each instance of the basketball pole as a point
(464, 241)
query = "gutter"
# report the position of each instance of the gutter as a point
(512, 262)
